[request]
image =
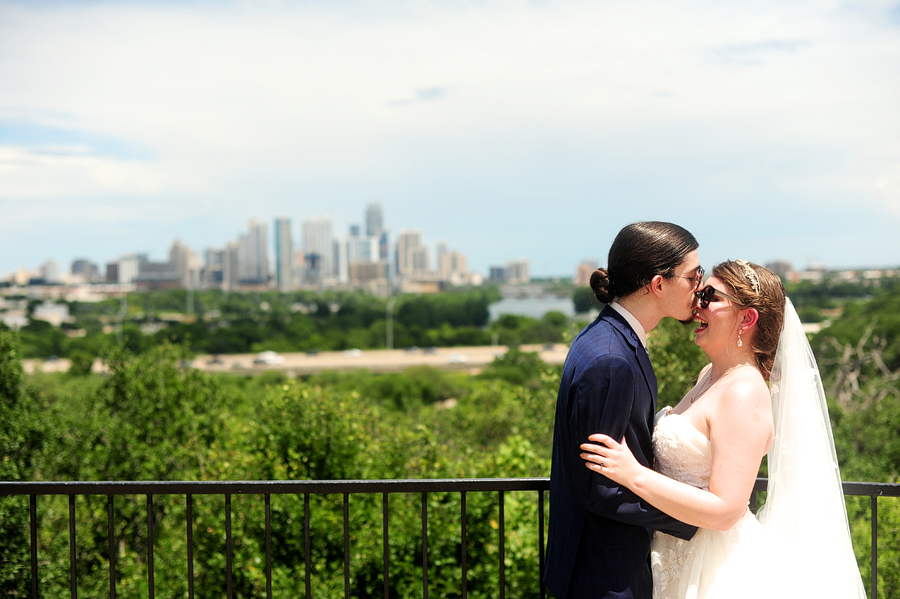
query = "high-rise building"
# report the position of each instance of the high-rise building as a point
(412, 255)
(374, 220)
(782, 268)
(362, 249)
(383, 245)
(112, 272)
(318, 249)
(130, 267)
(453, 267)
(284, 254)
(230, 265)
(497, 274)
(442, 249)
(517, 271)
(51, 272)
(184, 262)
(212, 274)
(253, 255)
(584, 271)
(85, 269)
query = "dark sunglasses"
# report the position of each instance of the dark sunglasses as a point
(710, 294)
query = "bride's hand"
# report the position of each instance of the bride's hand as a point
(611, 459)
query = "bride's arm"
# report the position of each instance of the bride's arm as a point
(740, 433)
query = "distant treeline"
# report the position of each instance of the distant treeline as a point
(211, 322)
(214, 322)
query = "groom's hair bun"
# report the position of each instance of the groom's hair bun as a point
(602, 286)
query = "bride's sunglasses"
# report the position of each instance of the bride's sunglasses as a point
(710, 294)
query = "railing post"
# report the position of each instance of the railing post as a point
(424, 545)
(462, 518)
(502, 550)
(34, 574)
(541, 542)
(110, 531)
(874, 547)
(387, 551)
(189, 516)
(73, 570)
(150, 583)
(228, 549)
(268, 546)
(306, 544)
(347, 545)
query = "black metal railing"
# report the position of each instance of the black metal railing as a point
(340, 487)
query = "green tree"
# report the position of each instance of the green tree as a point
(20, 440)
(585, 300)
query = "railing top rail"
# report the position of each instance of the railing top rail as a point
(283, 487)
(275, 487)
(852, 488)
(875, 489)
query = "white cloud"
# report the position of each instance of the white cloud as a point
(72, 171)
(273, 96)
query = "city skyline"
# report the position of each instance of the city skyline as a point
(362, 257)
(297, 239)
(507, 128)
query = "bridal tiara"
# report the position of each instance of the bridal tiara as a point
(750, 274)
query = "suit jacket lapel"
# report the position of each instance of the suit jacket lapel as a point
(643, 357)
(647, 368)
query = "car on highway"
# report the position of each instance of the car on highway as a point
(268, 358)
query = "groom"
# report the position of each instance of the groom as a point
(598, 544)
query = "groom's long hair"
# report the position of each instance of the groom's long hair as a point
(640, 252)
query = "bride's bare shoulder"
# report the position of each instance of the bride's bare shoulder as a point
(743, 395)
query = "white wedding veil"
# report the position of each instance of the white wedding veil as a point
(804, 516)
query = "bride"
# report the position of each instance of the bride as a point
(708, 450)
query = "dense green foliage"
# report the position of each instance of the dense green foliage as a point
(814, 300)
(20, 439)
(152, 419)
(859, 355)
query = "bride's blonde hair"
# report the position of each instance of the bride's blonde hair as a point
(756, 286)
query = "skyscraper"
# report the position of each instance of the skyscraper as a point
(253, 256)
(318, 247)
(184, 262)
(412, 255)
(374, 220)
(284, 254)
(230, 266)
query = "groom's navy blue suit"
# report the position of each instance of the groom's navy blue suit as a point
(598, 544)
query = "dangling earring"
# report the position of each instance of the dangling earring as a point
(740, 343)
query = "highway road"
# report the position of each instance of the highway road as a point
(471, 359)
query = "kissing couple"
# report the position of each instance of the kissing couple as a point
(655, 504)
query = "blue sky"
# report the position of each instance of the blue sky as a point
(507, 129)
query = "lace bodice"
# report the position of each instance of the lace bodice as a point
(680, 450)
(704, 567)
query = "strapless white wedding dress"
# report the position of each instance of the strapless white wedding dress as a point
(714, 564)
(801, 545)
